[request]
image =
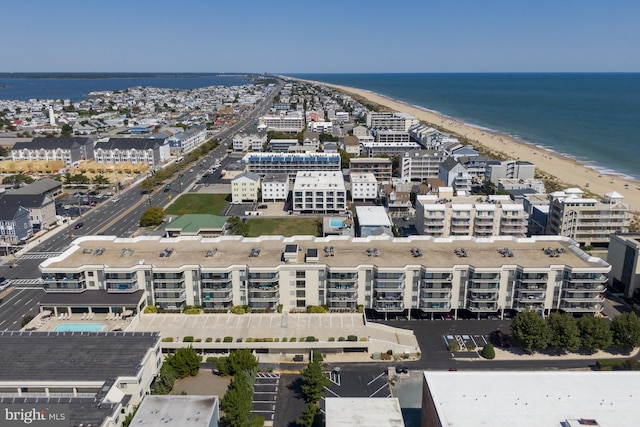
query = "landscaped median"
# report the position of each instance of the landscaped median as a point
(278, 333)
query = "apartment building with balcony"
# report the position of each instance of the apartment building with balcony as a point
(245, 187)
(291, 121)
(149, 151)
(401, 122)
(290, 163)
(249, 142)
(442, 216)
(420, 165)
(588, 221)
(509, 169)
(380, 167)
(319, 192)
(455, 175)
(382, 274)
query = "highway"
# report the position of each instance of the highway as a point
(117, 216)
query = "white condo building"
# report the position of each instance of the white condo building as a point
(249, 142)
(291, 163)
(587, 221)
(275, 187)
(364, 186)
(319, 192)
(292, 121)
(401, 122)
(441, 216)
(380, 273)
(421, 165)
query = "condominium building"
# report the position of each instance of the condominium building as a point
(421, 165)
(439, 216)
(282, 145)
(149, 151)
(292, 121)
(249, 142)
(388, 142)
(275, 187)
(427, 136)
(509, 169)
(535, 185)
(624, 257)
(455, 175)
(380, 167)
(364, 186)
(291, 163)
(189, 139)
(394, 121)
(245, 187)
(383, 274)
(319, 192)
(320, 127)
(588, 221)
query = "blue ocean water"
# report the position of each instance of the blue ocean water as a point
(594, 118)
(76, 87)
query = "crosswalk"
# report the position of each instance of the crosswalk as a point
(26, 282)
(40, 255)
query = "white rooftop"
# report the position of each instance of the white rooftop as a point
(188, 411)
(372, 216)
(363, 412)
(534, 399)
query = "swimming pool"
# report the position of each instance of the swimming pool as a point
(336, 222)
(80, 327)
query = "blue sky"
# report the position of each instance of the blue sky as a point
(320, 37)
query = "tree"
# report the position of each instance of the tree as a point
(152, 217)
(313, 382)
(626, 330)
(531, 330)
(242, 360)
(67, 130)
(238, 227)
(309, 414)
(594, 333)
(185, 362)
(564, 332)
(488, 352)
(100, 180)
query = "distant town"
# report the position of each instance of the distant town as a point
(288, 220)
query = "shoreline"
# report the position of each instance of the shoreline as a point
(565, 169)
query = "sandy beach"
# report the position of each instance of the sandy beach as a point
(565, 169)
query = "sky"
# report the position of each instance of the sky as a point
(328, 36)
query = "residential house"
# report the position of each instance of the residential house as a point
(245, 187)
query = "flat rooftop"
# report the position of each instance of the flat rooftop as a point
(83, 411)
(363, 411)
(72, 356)
(348, 252)
(534, 399)
(187, 411)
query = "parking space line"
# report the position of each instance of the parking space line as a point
(370, 382)
(375, 392)
(332, 392)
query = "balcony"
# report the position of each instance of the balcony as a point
(436, 277)
(216, 305)
(435, 296)
(342, 296)
(168, 278)
(388, 305)
(258, 278)
(435, 306)
(581, 297)
(168, 297)
(65, 286)
(482, 277)
(217, 296)
(217, 286)
(475, 296)
(387, 277)
(264, 288)
(482, 307)
(339, 277)
(581, 308)
(588, 277)
(342, 305)
(485, 287)
(528, 305)
(341, 286)
(179, 285)
(122, 287)
(524, 297)
(388, 287)
(264, 304)
(534, 277)
(584, 287)
(208, 277)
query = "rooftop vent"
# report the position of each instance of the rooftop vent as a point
(461, 252)
(166, 253)
(254, 252)
(99, 251)
(126, 251)
(416, 252)
(373, 252)
(328, 251)
(505, 252)
(210, 253)
(553, 252)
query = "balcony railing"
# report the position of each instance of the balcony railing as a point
(353, 296)
(122, 287)
(435, 306)
(217, 296)
(534, 278)
(573, 298)
(264, 288)
(389, 287)
(482, 307)
(218, 286)
(393, 277)
(388, 305)
(587, 278)
(341, 286)
(582, 308)
(485, 277)
(474, 296)
(486, 287)
(435, 277)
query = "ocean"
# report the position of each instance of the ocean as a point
(77, 86)
(594, 118)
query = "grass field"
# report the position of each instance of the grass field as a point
(282, 226)
(199, 204)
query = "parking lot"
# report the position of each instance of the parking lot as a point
(265, 395)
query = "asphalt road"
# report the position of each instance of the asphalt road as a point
(17, 303)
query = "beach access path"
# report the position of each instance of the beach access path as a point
(565, 169)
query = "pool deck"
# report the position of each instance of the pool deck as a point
(50, 323)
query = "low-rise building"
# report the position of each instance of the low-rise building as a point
(351, 144)
(373, 221)
(291, 163)
(282, 145)
(249, 142)
(205, 225)
(149, 151)
(291, 121)
(588, 221)
(387, 275)
(363, 411)
(319, 192)
(440, 216)
(15, 226)
(188, 140)
(455, 175)
(364, 186)
(509, 169)
(67, 150)
(275, 187)
(380, 167)
(186, 411)
(391, 120)
(420, 165)
(245, 187)
(536, 185)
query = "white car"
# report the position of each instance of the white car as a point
(115, 199)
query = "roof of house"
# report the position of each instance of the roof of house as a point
(129, 143)
(40, 186)
(449, 163)
(24, 200)
(194, 223)
(73, 356)
(9, 212)
(247, 175)
(51, 143)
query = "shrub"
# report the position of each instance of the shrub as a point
(279, 308)
(364, 339)
(316, 309)
(317, 357)
(212, 359)
(238, 339)
(454, 346)
(276, 339)
(187, 339)
(488, 352)
(236, 309)
(249, 339)
(269, 339)
(198, 339)
(227, 339)
(352, 338)
(390, 352)
(341, 339)
(209, 339)
(311, 339)
(471, 347)
(218, 340)
(25, 320)
(331, 339)
(385, 356)
(360, 308)
(292, 339)
(150, 309)
(192, 310)
(167, 339)
(284, 339)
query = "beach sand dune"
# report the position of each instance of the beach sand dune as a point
(567, 170)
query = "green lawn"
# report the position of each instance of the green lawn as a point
(199, 204)
(282, 226)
